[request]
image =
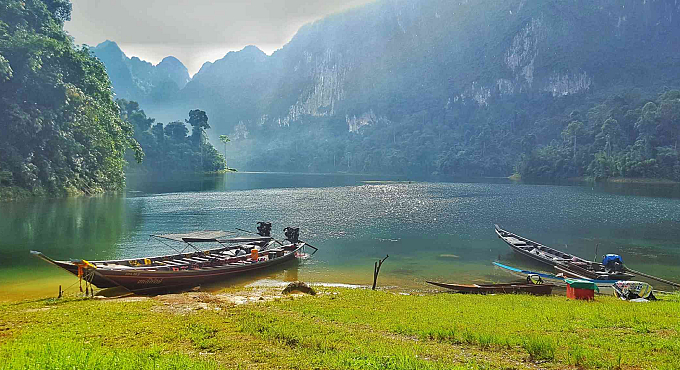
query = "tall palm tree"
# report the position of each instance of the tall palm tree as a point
(225, 140)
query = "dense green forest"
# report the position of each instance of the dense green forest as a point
(623, 135)
(60, 132)
(168, 149)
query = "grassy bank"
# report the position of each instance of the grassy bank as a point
(341, 328)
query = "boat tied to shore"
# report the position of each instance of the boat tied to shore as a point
(190, 266)
(511, 288)
(611, 268)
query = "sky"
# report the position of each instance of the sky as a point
(195, 31)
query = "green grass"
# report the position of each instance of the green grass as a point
(343, 329)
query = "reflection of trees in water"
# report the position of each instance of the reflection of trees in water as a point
(66, 228)
(176, 183)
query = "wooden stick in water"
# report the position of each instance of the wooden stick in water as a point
(376, 270)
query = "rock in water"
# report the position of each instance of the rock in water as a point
(298, 286)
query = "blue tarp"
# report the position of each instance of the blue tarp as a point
(611, 258)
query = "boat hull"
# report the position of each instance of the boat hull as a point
(153, 281)
(533, 289)
(571, 270)
(145, 279)
(563, 262)
(96, 280)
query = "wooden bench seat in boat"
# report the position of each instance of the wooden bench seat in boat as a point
(515, 241)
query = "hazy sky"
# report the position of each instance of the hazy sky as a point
(195, 31)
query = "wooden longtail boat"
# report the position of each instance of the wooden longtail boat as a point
(534, 289)
(568, 264)
(234, 256)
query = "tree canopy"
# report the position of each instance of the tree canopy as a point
(619, 137)
(60, 131)
(168, 149)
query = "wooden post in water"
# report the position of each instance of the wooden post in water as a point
(376, 270)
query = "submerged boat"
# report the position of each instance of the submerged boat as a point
(189, 267)
(513, 288)
(568, 264)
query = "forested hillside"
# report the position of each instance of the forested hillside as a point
(624, 136)
(477, 88)
(60, 131)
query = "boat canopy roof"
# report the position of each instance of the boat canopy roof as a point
(208, 235)
(215, 236)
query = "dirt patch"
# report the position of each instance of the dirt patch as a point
(188, 302)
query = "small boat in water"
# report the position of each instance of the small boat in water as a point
(233, 256)
(512, 288)
(568, 264)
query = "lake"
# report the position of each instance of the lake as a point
(430, 230)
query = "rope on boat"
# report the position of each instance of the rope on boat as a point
(653, 277)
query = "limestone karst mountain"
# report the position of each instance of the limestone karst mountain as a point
(136, 79)
(467, 66)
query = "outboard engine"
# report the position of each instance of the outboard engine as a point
(292, 234)
(612, 263)
(264, 228)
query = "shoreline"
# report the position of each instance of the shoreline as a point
(589, 180)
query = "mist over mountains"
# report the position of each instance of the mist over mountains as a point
(418, 85)
(136, 79)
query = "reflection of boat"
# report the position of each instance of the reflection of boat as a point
(534, 289)
(566, 263)
(234, 257)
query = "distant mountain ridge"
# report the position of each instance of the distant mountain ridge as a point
(135, 79)
(447, 62)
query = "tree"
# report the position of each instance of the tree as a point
(158, 133)
(609, 134)
(225, 139)
(198, 120)
(574, 129)
(176, 131)
(646, 126)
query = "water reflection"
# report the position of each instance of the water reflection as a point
(65, 228)
(431, 230)
(143, 184)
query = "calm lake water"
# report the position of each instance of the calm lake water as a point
(431, 230)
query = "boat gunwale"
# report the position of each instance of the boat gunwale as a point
(169, 257)
(140, 271)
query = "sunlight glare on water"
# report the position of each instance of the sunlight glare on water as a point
(431, 230)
